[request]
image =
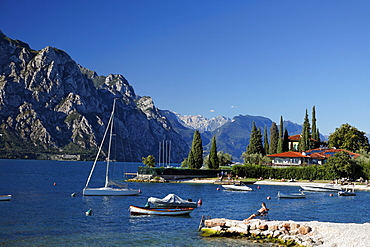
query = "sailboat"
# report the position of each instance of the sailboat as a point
(110, 188)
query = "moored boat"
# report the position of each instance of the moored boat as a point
(5, 197)
(317, 187)
(159, 211)
(291, 195)
(237, 187)
(172, 201)
(347, 192)
(111, 188)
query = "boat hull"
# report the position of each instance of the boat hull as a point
(160, 211)
(106, 191)
(345, 193)
(237, 187)
(5, 197)
(291, 196)
(321, 188)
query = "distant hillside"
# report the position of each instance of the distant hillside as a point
(233, 136)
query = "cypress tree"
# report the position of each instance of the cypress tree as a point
(304, 142)
(274, 138)
(213, 159)
(286, 141)
(315, 135)
(255, 142)
(195, 157)
(280, 145)
(281, 127)
(265, 140)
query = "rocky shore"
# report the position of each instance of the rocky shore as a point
(311, 233)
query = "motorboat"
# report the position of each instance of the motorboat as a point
(291, 195)
(237, 187)
(347, 192)
(159, 211)
(172, 201)
(5, 197)
(317, 187)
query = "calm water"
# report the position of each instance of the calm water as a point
(43, 214)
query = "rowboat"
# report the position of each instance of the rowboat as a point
(237, 187)
(291, 195)
(5, 197)
(160, 211)
(317, 187)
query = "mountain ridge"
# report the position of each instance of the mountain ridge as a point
(51, 105)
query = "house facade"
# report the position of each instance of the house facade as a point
(316, 156)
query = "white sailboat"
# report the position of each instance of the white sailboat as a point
(108, 189)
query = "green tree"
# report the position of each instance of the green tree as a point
(286, 141)
(349, 138)
(340, 165)
(213, 159)
(304, 142)
(281, 127)
(149, 161)
(265, 141)
(224, 158)
(274, 138)
(195, 157)
(315, 134)
(280, 148)
(255, 142)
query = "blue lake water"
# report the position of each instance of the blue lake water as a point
(43, 214)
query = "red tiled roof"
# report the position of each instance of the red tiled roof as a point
(323, 154)
(289, 154)
(295, 137)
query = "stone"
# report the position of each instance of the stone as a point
(273, 227)
(214, 223)
(263, 227)
(304, 230)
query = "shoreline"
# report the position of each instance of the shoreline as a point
(306, 233)
(269, 182)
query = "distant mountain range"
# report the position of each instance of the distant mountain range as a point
(51, 107)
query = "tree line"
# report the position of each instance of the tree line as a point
(260, 145)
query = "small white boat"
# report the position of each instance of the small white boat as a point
(291, 195)
(5, 197)
(171, 201)
(317, 187)
(237, 187)
(347, 192)
(160, 211)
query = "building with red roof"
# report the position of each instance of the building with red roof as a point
(316, 156)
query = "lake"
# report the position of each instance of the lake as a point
(42, 211)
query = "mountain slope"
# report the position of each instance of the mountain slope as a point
(51, 105)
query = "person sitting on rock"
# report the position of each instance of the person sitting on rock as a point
(260, 211)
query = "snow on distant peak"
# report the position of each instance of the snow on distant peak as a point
(202, 123)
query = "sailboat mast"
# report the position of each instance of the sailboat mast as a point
(110, 144)
(100, 148)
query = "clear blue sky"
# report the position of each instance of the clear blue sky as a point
(210, 57)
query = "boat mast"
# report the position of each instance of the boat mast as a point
(110, 144)
(100, 148)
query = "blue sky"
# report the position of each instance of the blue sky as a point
(210, 57)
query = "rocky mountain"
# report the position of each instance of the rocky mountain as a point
(201, 123)
(49, 105)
